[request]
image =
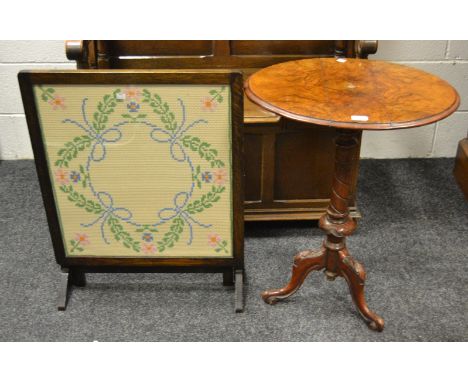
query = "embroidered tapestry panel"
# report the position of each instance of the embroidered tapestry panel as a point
(140, 170)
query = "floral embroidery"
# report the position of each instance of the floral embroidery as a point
(220, 176)
(116, 219)
(132, 93)
(222, 246)
(75, 176)
(207, 177)
(57, 102)
(208, 104)
(61, 176)
(133, 107)
(148, 237)
(217, 94)
(148, 248)
(213, 239)
(81, 240)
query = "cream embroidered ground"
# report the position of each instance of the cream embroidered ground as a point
(140, 170)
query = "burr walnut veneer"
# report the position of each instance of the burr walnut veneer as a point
(351, 95)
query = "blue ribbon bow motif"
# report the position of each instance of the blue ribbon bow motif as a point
(107, 202)
(160, 135)
(100, 141)
(180, 200)
(110, 135)
(175, 148)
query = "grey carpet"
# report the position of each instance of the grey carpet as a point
(413, 241)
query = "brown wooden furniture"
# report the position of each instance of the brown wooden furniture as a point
(461, 166)
(97, 121)
(278, 151)
(350, 95)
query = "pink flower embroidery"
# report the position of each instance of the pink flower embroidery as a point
(132, 93)
(208, 104)
(213, 239)
(148, 248)
(219, 176)
(61, 176)
(57, 102)
(82, 238)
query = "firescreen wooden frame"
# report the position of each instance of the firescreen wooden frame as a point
(74, 268)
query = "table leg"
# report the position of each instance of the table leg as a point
(334, 256)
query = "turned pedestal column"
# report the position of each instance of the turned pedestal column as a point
(333, 257)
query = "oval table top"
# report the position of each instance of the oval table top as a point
(352, 93)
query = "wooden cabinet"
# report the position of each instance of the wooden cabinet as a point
(287, 163)
(461, 166)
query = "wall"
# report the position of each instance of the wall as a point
(16, 56)
(447, 59)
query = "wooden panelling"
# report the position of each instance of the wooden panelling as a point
(461, 166)
(253, 168)
(282, 47)
(159, 48)
(310, 147)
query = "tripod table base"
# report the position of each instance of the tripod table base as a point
(348, 268)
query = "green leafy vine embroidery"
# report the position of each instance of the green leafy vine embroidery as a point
(161, 108)
(121, 235)
(105, 108)
(134, 119)
(85, 177)
(71, 149)
(204, 150)
(146, 228)
(75, 245)
(173, 235)
(47, 94)
(217, 94)
(80, 200)
(196, 176)
(222, 246)
(205, 201)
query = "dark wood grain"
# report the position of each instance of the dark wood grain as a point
(335, 92)
(122, 48)
(282, 47)
(461, 166)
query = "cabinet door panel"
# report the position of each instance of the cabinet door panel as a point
(304, 163)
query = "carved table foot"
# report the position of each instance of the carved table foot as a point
(304, 263)
(355, 275)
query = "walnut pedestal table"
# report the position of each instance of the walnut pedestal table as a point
(350, 95)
